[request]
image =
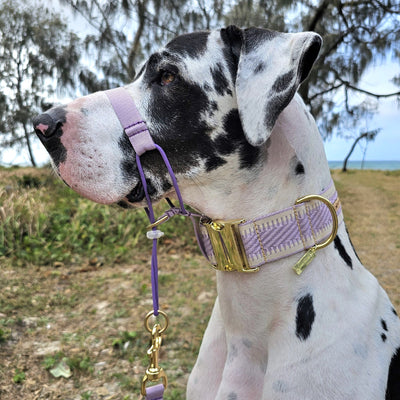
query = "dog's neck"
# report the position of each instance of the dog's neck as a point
(233, 193)
(267, 294)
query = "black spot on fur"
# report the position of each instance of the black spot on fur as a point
(232, 37)
(305, 317)
(214, 105)
(176, 112)
(342, 252)
(207, 87)
(255, 37)
(214, 162)
(192, 44)
(232, 396)
(393, 383)
(283, 82)
(260, 67)
(221, 84)
(299, 169)
(352, 246)
(166, 186)
(234, 140)
(384, 325)
(383, 336)
(277, 103)
(394, 312)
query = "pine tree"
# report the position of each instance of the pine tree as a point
(37, 55)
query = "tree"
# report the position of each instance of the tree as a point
(368, 136)
(37, 57)
(356, 33)
(127, 31)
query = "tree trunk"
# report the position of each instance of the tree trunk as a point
(141, 12)
(28, 142)
(344, 169)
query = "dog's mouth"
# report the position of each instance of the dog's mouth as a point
(137, 194)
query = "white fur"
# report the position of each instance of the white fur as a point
(250, 350)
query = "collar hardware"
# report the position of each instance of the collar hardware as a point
(239, 245)
(228, 246)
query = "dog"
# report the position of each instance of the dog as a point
(223, 105)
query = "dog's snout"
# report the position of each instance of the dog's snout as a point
(47, 124)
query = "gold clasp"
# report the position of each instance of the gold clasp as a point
(154, 372)
(310, 254)
(227, 245)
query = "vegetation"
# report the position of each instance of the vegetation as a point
(77, 312)
(38, 52)
(46, 223)
(355, 34)
(37, 56)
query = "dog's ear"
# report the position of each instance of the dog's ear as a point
(271, 66)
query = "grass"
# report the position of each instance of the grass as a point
(75, 284)
(45, 223)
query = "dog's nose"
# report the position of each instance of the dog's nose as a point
(47, 124)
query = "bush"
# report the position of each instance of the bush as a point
(44, 222)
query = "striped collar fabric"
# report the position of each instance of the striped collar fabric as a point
(283, 233)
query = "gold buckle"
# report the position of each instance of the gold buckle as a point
(228, 246)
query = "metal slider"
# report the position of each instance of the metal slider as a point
(159, 221)
(228, 246)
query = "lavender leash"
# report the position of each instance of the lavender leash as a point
(136, 129)
(155, 392)
(182, 211)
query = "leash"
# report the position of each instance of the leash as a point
(228, 245)
(136, 130)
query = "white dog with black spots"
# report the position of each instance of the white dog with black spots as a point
(223, 106)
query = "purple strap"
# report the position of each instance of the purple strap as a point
(155, 392)
(132, 122)
(136, 129)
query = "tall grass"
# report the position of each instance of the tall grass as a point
(44, 222)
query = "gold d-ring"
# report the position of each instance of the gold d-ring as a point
(151, 314)
(332, 210)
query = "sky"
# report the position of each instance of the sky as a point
(386, 146)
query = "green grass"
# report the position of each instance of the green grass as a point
(75, 281)
(46, 223)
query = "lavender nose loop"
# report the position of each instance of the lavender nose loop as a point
(132, 122)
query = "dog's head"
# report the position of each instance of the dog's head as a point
(210, 100)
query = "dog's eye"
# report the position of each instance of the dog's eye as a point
(166, 78)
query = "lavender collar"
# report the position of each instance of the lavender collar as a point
(277, 235)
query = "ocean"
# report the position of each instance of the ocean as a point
(382, 165)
